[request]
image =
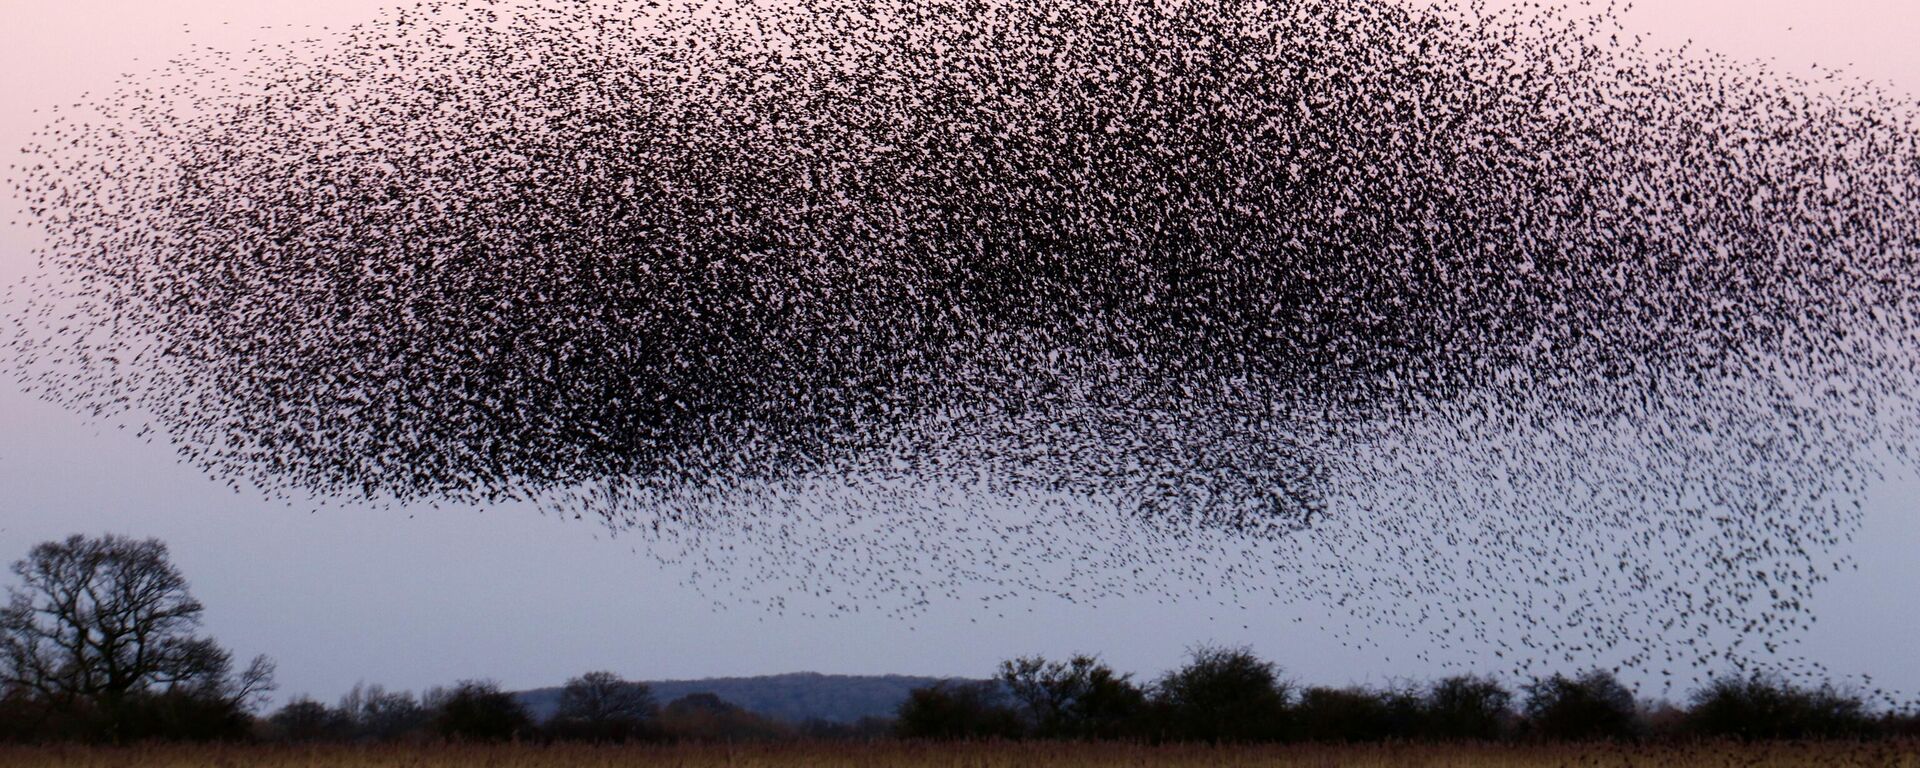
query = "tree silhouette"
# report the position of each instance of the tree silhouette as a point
(306, 720)
(1356, 714)
(1592, 706)
(1762, 707)
(601, 706)
(958, 710)
(1078, 698)
(477, 710)
(99, 624)
(1467, 708)
(1224, 695)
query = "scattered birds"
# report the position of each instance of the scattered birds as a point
(1500, 327)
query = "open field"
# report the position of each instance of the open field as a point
(904, 755)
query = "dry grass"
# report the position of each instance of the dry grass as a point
(906, 755)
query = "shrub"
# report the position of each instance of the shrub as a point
(707, 717)
(306, 720)
(958, 710)
(1762, 707)
(374, 714)
(1081, 698)
(1592, 706)
(1901, 725)
(600, 706)
(1223, 695)
(477, 710)
(1354, 715)
(1466, 708)
(182, 715)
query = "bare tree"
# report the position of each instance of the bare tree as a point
(602, 705)
(1078, 698)
(375, 714)
(96, 622)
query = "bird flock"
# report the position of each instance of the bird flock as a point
(1504, 328)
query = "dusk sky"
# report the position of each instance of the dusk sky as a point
(418, 596)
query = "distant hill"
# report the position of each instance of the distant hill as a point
(793, 697)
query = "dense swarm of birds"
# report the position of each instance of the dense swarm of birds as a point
(1503, 327)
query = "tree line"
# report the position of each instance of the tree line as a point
(100, 642)
(1229, 695)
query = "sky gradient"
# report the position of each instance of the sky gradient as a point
(417, 597)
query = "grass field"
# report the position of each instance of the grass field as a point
(1044, 755)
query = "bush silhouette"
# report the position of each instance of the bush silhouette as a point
(306, 720)
(377, 714)
(707, 717)
(1356, 715)
(1223, 695)
(956, 711)
(1762, 707)
(1590, 707)
(1466, 708)
(601, 706)
(1081, 698)
(181, 715)
(477, 710)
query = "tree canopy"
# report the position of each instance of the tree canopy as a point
(100, 627)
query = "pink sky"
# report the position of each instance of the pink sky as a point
(52, 50)
(525, 599)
